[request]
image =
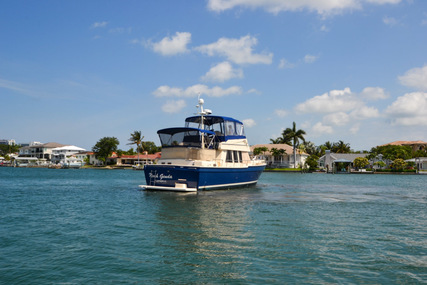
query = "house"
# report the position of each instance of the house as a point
(330, 161)
(416, 145)
(40, 151)
(63, 152)
(128, 160)
(7, 142)
(420, 164)
(285, 160)
(92, 158)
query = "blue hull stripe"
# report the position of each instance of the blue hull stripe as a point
(201, 177)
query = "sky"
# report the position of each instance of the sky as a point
(74, 72)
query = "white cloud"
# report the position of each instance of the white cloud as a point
(172, 106)
(310, 58)
(337, 119)
(365, 112)
(320, 129)
(334, 101)
(373, 93)
(239, 51)
(254, 91)
(409, 110)
(99, 25)
(222, 72)
(120, 30)
(322, 7)
(355, 129)
(381, 2)
(324, 28)
(249, 123)
(341, 107)
(281, 113)
(390, 21)
(416, 78)
(176, 44)
(19, 88)
(285, 64)
(195, 90)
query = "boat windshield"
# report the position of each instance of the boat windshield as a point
(186, 137)
(223, 127)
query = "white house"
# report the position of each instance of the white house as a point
(285, 160)
(330, 160)
(420, 164)
(61, 153)
(41, 151)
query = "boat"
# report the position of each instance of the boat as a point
(209, 152)
(71, 162)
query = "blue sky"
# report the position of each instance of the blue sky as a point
(76, 71)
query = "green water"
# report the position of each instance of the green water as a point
(96, 226)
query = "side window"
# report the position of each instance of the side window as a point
(240, 156)
(239, 129)
(236, 157)
(229, 157)
(229, 128)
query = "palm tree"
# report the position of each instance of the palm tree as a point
(294, 135)
(136, 138)
(276, 141)
(341, 147)
(278, 153)
(328, 145)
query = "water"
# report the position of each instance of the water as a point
(95, 226)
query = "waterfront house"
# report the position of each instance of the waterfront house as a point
(416, 145)
(92, 158)
(420, 164)
(145, 158)
(60, 154)
(285, 160)
(40, 151)
(330, 161)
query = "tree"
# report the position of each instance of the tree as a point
(312, 161)
(276, 141)
(341, 147)
(294, 136)
(7, 148)
(360, 162)
(392, 152)
(150, 147)
(259, 150)
(380, 164)
(277, 153)
(282, 140)
(105, 147)
(399, 164)
(328, 145)
(136, 138)
(308, 147)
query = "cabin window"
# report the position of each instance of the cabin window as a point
(239, 129)
(229, 157)
(236, 156)
(240, 156)
(229, 128)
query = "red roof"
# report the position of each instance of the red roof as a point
(405, 143)
(143, 156)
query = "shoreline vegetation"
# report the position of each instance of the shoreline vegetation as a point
(399, 157)
(278, 170)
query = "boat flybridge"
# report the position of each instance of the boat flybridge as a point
(210, 152)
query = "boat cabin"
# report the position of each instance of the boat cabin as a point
(198, 130)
